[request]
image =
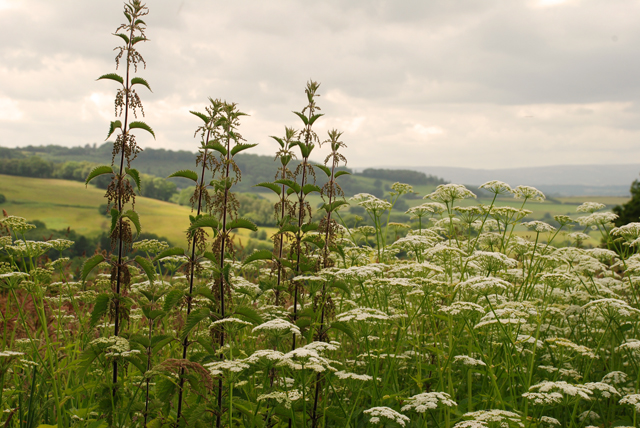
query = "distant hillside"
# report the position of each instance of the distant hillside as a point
(558, 180)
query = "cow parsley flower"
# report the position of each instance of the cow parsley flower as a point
(428, 401)
(564, 388)
(345, 375)
(462, 307)
(527, 192)
(447, 193)
(466, 360)
(631, 400)
(497, 187)
(362, 314)
(539, 226)
(277, 326)
(543, 398)
(503, 417)
(590, 207)
(376, 413)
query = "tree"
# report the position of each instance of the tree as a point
(629, 212)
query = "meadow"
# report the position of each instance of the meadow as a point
(508, 310)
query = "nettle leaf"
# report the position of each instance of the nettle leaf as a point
(192, 321)
(123, 37)
(304, 118)
(135, 219)
(272, 186)
(90, 264)
(289, 183)
(140, 81)
(116, 124)
(248, 313)
(325, 169)
(133, 173)
(205, 221)
(315, 117)
(112, 76)
(202, 116)
(306, 149)
(138, 39)
(308, 188)
(142, 125)
(258, 255)
(211, 257)
(309, 227)
(175, 251)
(115, 215)
(100, 308)
(214, 145)
(147, 267)
(334, 205)
(339, 173)
(241, 147)
(99, 170)
(185, 173)
(345, 328)
(171, 299)
(279, 140)
(242, 223)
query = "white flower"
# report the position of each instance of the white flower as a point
(539, 226)
(354, 376)
(428, 401)
(590, 207)
(503, 417)
(596, 219)
(543, 398)
(497, 187)
(632, 400)
(217, 368)
(461, 307)
(564, 388)
(527, 192)
(278, 326)
(447, 193)
(362, 314)
(483, 285)
(376, 413)
(466, 360)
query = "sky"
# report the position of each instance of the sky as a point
(475, 83)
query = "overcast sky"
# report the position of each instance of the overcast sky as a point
(467, 83)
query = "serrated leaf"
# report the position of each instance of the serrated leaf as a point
(334, 205)
(205, 221)
(214, 145)
(305, 149)
(339, 173)
(112, 76)
(309, 227)
(202, 116)
(315, 117)
(123, 37)
(304, 118)
(272, 186)
(289, 183)
(210, 256)
(147, 267)
(138, 39)
(171, 299)
(116, 124)
(100, 307)
(192, 321)
(288, 228)
(135, 219)
(185, 173)
(99, 170)
(133, 173)
(242, 223)
(308, 188)
(279, 141)
(90, 264)
(140, 81)
(241, 147)
(142, 125)
(175, 251)
(115, 215)
(325, 169)
(248, 313)
(258, 255)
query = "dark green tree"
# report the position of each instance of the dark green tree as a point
(629, 212)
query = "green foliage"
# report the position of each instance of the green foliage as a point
(629, 212)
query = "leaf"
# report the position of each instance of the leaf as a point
(99, 170)
(112, 76)
(140, 81)
(175, 251)
(241, 147)
(123, 37)
(345, 328)
(242, 223)
(315, 117)
(211, 257)
(100, 307)
(325, 169)
(90, 264)
(308, 188)
(258, 255)
(192, 320)
(133, 173)
(200, 115)
(185, 173)
(277, 189)
(142, 125)
(214, 145)
(115, 215)
(205, 221)
(138, 39)
(248, 313)
(172, 298)
(279, 140)
(334, 205)
(147, 267)
(309, 227)
(305, 149)
(135, 219)
(116, 124)
(302, 117)
(289, 183)
(339, 173)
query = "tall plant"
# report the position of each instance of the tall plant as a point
(120, 193)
